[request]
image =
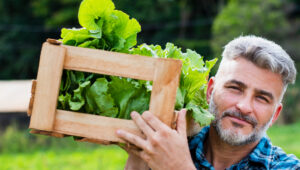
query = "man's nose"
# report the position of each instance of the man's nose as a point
(245, 105)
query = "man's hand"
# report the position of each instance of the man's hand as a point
(134, 162)
(163, 148)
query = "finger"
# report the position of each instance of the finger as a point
(130, 148)
(181, 122)
(153, 121)
(131, 138)
(140, 122)
(135, 152)
(142, 154)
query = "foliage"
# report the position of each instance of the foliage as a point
(103, 27)
(291, 102)
(117, 97)
(21, 150)
(14, 140)
(110, 29)
(193, 79)
(267, 19)
(103, 95)
(55, 13)
(287, 137)
(242, 17)
(26, 24)
(17, 57)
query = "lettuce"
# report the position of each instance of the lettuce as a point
(103, 95)
(104, 27)
(193, 78)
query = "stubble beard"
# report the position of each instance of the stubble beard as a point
(232, 137)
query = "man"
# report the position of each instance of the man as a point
(245, 96)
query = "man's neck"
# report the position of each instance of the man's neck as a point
(222, 155)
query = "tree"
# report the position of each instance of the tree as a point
(26, 24)
(242, 17)
(272, 19)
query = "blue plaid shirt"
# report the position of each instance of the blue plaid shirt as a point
(264, 156)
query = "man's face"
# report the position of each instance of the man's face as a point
(245, 100)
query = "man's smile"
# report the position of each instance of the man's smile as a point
(239, 120)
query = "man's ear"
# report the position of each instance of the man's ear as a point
(210, 88)
(277, 113)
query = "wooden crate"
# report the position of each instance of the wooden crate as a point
(47, 119)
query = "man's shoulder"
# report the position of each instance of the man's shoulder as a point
(274, 157)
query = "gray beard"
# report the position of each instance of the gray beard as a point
(236, 138)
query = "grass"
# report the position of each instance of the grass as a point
(108, 158)
(20, 150)
(287, 137)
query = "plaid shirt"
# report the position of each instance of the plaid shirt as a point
(264, 156)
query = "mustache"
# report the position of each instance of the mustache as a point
(239, 115)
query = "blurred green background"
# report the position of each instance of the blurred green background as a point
(201, 25)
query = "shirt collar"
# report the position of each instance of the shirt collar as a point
(197, 149)
(261, 153)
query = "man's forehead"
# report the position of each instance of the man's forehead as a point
(242, 70)
(242, 66)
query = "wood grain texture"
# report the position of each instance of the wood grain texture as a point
(47, 87)
(164, 73)
(92, 126)
(110, 63)
(54, 134)
(165, 85)
(30, 106)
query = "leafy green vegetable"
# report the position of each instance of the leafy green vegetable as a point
(193, 79)
(103, 27)
(92, 13)
(129, 95)
(103, 95)
(106, 28)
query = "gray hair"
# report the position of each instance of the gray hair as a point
(264, 54)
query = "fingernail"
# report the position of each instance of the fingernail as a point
(133, 114)
(118, 132)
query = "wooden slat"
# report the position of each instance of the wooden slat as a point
(165, 85)
(97, 141)
(33, 87)
(54, 134)
(110, 63)
(163, 72)
(92, 126)
(48, 83)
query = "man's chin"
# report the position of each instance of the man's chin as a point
(235, 135)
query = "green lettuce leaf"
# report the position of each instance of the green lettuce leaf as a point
(200, 115)
(77, 101)
(99, 101)
(129, 96)
(105, 28)
(92, 12)
(193, 79)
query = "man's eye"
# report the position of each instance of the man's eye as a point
(234, 88)
(263, 98)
